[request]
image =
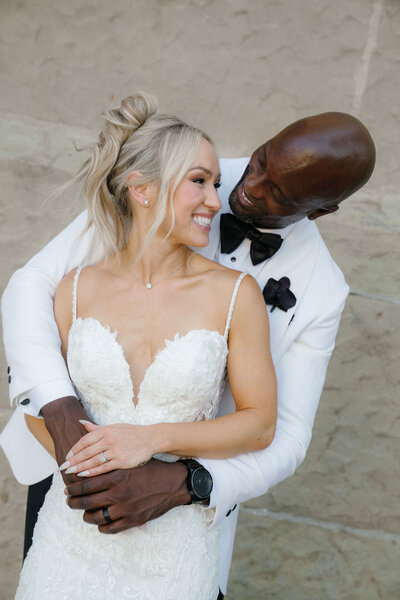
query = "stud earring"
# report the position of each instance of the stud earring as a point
(145, 202)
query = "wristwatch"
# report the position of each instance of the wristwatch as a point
(199, 481)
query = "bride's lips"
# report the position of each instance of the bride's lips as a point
(203, 221)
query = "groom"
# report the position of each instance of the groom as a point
(302, 173)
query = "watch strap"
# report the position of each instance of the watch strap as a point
(193, 466)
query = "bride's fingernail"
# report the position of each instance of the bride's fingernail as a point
(69, 455)
(70, 470)
(83, 473)
(65, 465)
(66, 491)
(83, 421)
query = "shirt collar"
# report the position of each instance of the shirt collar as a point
(282, 232)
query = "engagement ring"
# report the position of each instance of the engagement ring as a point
(102, 457)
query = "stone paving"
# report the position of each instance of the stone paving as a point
(241, 70)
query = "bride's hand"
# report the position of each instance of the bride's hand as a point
(103, 449)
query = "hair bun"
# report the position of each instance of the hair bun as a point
(132, 114)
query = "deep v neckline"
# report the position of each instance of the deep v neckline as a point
(113, 335)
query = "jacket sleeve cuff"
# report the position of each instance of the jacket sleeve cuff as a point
(34, 399)
(214, 514)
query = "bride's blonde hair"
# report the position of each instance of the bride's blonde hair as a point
(135, 138)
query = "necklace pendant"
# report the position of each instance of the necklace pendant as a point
(149, 286)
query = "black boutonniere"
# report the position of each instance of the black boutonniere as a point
(278, 294)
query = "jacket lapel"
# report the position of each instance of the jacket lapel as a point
(296, 260)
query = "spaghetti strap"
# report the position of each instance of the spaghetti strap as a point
(234, 294)
(76, 277)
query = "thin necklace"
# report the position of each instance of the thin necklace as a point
(150, 285)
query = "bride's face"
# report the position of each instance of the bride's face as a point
(196, 200)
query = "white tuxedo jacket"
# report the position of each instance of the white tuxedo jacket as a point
(302, 340)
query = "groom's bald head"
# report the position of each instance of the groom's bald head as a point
(306, 170)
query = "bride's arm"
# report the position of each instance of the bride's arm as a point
(248, 429)
(250, 367)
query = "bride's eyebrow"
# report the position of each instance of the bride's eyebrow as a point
(218, 176)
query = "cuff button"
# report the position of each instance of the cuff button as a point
(9, 379)
(8, 369)
(25, 401)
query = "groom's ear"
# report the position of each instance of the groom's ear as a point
(320, 212)
(142, 193)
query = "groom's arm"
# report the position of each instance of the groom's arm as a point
(37, 372)
(31, 339)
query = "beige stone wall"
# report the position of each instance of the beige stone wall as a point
(241, 70)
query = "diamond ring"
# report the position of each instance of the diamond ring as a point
(102, 457)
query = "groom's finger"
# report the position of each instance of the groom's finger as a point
(115, 526)
(92, 485)
(96, 517)
(91, 502)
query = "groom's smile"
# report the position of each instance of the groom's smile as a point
(281, 184)
(257, 199)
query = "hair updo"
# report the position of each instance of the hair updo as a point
(135, 138)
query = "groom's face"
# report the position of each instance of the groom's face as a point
(281, 184)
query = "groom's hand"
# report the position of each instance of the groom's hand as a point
(131, 496)
(61, 418)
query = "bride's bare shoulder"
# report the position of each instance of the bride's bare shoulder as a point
(213, 268)
(221, 279)
(202, 264)
(89, 277)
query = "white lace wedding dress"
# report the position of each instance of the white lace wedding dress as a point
(174, 557)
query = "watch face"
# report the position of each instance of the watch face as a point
(202, 483)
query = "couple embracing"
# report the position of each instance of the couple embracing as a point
(158, 300)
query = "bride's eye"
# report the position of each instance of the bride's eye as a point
(217, 185)
(199, 180)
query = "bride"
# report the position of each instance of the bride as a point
(148, 336)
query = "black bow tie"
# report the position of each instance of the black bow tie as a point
(233, 232)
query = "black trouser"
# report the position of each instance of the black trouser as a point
(36, 494)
